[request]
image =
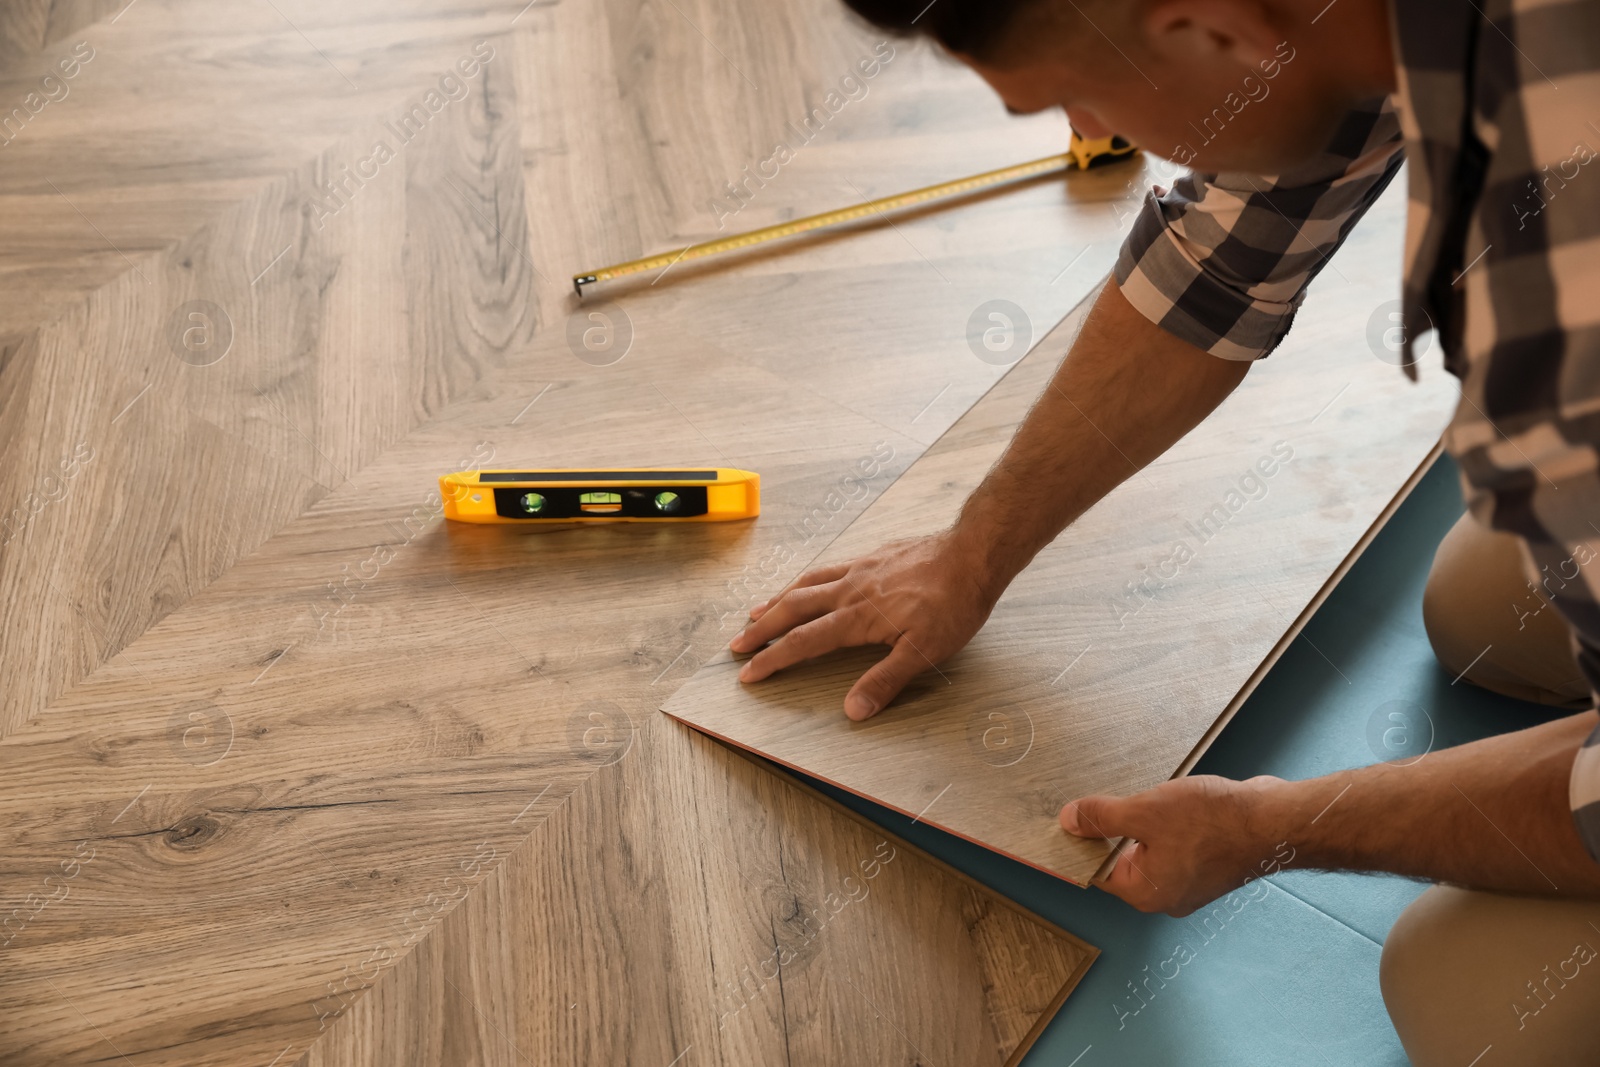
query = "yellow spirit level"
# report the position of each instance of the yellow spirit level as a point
(624, 494)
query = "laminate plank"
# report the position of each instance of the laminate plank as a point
(1111, 658)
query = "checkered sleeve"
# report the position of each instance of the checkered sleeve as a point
(1527, 431)
(1223, 260)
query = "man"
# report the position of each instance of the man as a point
(1494, 104)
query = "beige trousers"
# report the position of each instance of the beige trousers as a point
(1476, 979)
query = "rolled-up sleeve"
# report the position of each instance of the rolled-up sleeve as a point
(1223, 260)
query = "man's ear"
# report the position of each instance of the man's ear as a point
(1244, 31)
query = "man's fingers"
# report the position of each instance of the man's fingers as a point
(797, 607)
(884, 680)
(1107, 817)
(818, 576)
(1098, 816)
(804, 642)
(1130, 880)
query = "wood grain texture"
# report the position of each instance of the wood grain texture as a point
(752, 895)
(1109, 661)
(27, 26)
(322, 366)
(294, 772)
(179, 111)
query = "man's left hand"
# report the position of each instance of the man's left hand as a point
(1196, 838)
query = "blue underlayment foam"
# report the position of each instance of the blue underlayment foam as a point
(1288, 973)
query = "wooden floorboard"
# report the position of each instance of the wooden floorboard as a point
(27, 26)
(721, 919)
(292, 768)
(1112, 656)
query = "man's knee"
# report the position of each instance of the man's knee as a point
(1410, 953)
(1486, 626)
(1463, 970)
(1474, 571)
(1432, 975)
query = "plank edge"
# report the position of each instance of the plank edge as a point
(1289, 635)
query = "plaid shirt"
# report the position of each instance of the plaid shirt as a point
(1496, 112)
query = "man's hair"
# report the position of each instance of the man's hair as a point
(971, 27)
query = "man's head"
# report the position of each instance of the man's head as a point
(1254, 85)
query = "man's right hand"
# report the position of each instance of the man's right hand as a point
(926, 597)
(922, 597)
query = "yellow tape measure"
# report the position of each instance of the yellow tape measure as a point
(1081, 154)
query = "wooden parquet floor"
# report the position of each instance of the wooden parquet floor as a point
(290, 771)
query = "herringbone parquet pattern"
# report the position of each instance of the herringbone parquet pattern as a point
(293, 773)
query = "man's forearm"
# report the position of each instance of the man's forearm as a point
(1491, 814)
(1125, 393)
